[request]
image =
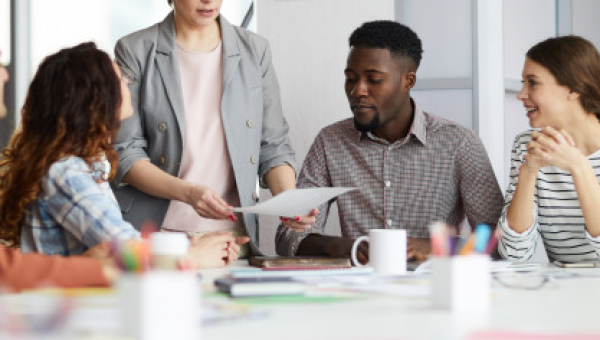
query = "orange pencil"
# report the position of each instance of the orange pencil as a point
(142, 250)
(468, 247)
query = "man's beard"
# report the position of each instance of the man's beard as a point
(368, 127)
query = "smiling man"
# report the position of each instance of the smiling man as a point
(412, 168)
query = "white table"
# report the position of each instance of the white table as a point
(565, 306)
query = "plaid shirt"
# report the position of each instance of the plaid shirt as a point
(439, 172)
(75, 210)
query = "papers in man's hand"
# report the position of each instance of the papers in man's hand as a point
(296, 202)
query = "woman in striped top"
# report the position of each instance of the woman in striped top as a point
(554, 191)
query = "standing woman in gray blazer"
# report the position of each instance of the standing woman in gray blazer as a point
(207, 121)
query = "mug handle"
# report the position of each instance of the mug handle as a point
(355, 248)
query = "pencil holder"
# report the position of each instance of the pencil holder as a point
(160, 305)
(461, 283)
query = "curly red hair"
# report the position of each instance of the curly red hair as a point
(72, 108)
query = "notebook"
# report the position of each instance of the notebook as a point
(260, 286)
(298, 262)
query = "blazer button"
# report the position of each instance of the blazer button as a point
(162, 127)
(249, 123)
(162, 160)
(253, 159)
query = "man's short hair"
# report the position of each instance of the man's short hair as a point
(399, 39)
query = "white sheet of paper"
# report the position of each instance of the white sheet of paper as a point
(497, 267)
(373, 284)
(296, 202)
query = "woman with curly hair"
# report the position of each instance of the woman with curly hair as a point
(54, 196)
(54, 192)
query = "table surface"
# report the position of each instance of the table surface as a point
(561, 306)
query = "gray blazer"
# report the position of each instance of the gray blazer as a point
(255, 129)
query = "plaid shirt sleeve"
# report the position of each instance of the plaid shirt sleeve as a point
(88, 210)
(314, 173)
(481, 194)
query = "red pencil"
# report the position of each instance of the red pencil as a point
(492, 243)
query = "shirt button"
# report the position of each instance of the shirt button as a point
(388, 184)
(255, 197)
(249, 123)
(162, 127)
(253, 159)
(162, 160)
(389, 223)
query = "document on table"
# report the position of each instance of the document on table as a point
(296, 202)
(496, 267)
(372, 284)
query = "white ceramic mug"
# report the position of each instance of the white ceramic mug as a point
(387, 250)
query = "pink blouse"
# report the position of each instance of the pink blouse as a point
(205, 158)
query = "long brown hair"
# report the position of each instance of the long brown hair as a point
(71, 109)
(575, 63)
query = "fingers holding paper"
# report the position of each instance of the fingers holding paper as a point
(209, 204)
(301, 223)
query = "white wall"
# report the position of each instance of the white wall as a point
(444, 79)
(54, 24)
(447, 51)
(525, 24)
(5, 48)
(43, 27)
(584, 20)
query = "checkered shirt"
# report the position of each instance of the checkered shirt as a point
(439, 172)
(75, 210)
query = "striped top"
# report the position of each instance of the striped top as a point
(558, 218)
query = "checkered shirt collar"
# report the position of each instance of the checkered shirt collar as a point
(417, 129)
